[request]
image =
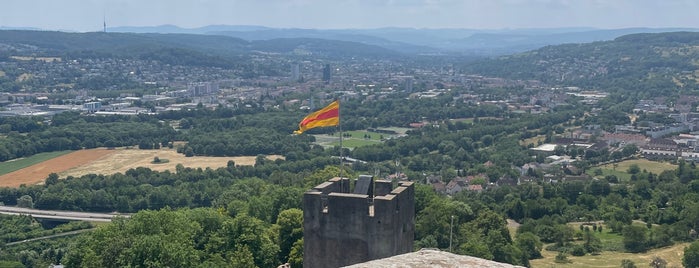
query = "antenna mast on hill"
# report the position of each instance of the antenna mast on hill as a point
(104, 21)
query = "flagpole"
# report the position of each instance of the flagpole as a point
(339, 125)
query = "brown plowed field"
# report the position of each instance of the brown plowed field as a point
(39, 172)
(104, 161)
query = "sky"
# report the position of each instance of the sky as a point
(87, 15)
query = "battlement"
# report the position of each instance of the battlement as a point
(342, 228)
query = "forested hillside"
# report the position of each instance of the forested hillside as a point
(206, 48)
(654, 64)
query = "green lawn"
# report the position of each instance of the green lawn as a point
(399, 130)
(464, 120)
(359, 134)
(12, 165)
(621, 168)
(357, 138)
(354, 143)
(622, 175)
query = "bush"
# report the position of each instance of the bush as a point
(562, 257)
(577, 250)
(626, 263)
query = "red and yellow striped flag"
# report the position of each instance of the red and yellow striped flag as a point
(326, 117)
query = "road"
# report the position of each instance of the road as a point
(49, 236)
(60, 215)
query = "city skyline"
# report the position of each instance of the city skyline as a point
(88, 15)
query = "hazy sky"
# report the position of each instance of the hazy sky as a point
(86, 15)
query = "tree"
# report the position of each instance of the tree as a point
(633, 169)
(577, 250)
(25, 201)
(658, 262)
(529, 244)
(561, 257)
(626, 263)
(242, 258)
(52, 179)
(435, 220)
(29, 258)
(296, 255)
(691, 255)
(611, 178)
(188, 151)
(635, 238)
(598, 172)
(487, 140)
(487, 237)
(592, 244)
(290, 224)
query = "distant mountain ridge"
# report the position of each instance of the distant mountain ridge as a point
(134, 44)
(417, 41)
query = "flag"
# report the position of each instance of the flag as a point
(326, 117)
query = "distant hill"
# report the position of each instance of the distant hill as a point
(268, 34)
(422, 41)
(323, 47)
(658, 63)
(175, 29)
(211, 48)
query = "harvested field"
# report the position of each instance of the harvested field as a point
(38, 173)
(105, 161)
(121, 160)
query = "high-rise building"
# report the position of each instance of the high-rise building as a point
(342, 228)
(202, 88)
(295, 72)
(327, 73)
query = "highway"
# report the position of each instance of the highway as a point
(61, 215)
(49, 237)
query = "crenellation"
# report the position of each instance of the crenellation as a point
(382, 187)
(342, 228)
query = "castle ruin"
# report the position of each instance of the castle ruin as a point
(342, 228)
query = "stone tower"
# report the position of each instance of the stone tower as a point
(342, 228)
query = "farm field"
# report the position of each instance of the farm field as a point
(121, 160)
(37, 173)
(621, 169)
(104, 161)
(20, 163)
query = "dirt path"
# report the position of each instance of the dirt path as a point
(39, 172)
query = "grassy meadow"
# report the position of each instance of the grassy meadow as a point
(620, 169)
(608, 258)
(672, 254)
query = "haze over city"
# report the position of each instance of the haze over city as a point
(88, 15)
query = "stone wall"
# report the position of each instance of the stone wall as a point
(343, 228)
